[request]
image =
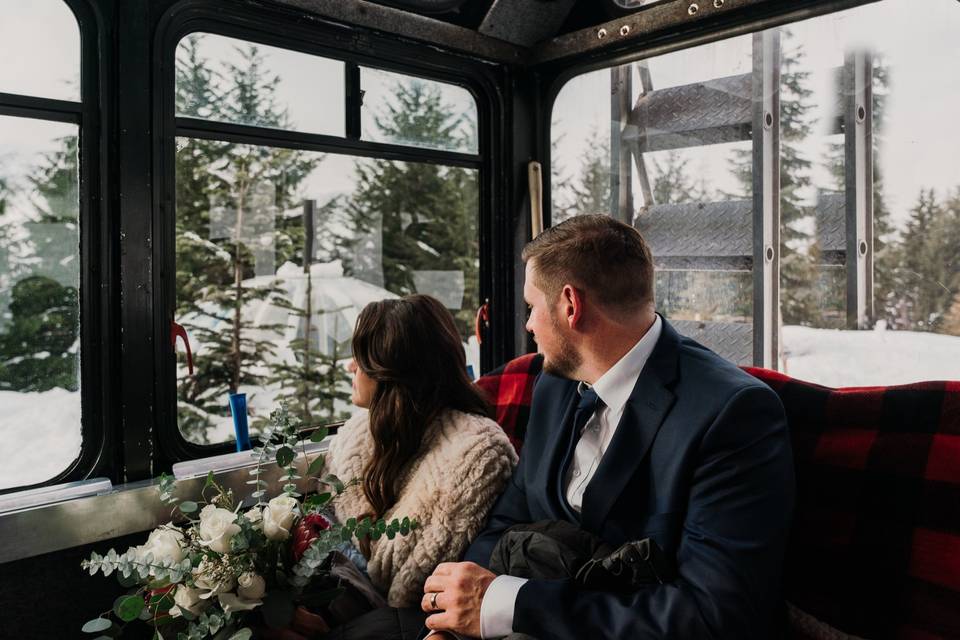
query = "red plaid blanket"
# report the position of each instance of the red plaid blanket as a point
(875, 548)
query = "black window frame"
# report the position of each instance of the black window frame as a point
(284, 28)
(97, 282)
(667, 33)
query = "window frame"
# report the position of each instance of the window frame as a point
(355, 47)
(660, 37)
(97, 281)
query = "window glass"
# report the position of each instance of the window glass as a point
(279, 250)
(400, 109)
(39, 300)
(229, 80)
(45, 33)
(866, 147)
(689, 182)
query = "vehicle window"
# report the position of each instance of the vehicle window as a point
(39, 250)
(867, 248)
(228, 80)
(397, 109)
(278, 250)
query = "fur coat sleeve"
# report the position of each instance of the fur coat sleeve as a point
(464, 464)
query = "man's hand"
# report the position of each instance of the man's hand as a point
(459, 589)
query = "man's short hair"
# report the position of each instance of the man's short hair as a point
(601, 256)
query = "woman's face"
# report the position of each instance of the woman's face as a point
(363, 386)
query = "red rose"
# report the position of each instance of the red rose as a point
(306, 531)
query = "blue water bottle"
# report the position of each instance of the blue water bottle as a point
(238, 407)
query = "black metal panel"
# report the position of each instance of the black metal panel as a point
(410, 25)
(711, 112)
(525, 22)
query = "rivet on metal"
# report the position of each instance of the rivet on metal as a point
(601, 34)
(624, 30)
(693, 9)
(767, 120)
(717, 3)
(768, 254)
(861, 113)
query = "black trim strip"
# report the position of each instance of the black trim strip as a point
(12, 104)
(245, 134)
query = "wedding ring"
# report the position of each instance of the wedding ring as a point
(433, 601)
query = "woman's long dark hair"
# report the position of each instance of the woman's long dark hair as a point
(411, 348)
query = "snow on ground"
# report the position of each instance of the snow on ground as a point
(40, 432)
(40, 435)
(837, 358)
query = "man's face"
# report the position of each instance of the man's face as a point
(549, 329)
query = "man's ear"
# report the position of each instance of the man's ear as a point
(571, 306)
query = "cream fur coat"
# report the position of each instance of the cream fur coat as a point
(464, 463)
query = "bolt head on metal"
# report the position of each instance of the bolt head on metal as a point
(624, 30)
(601, 34)
(717, 3)
(693, 9)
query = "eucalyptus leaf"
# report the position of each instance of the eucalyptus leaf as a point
(316, 466)
(188, 506)
(97, 625)
(285, 456)
(319, 434)
(242, 634)
(127, 608)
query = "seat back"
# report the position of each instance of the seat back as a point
(875, 545)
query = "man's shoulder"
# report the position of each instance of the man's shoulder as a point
(703, 368)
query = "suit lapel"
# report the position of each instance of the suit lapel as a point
(643, 415)
(560, 439)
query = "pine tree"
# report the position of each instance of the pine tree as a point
(229, 200)
(927, 275)
(592, 194)
(38, 345)
(672, 183)
(407, 217)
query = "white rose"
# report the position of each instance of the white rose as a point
(212, 580)
(251, 586)
(231, 602)
(279, 516)
(217, 527)
(187, 599)
(165, 545)
(255, 517)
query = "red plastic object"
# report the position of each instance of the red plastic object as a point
(177, 330)
(483, 316)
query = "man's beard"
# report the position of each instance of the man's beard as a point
(567, 360)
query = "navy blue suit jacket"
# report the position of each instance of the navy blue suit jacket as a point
(701, 462)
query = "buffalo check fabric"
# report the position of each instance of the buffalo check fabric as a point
(875, 546)
(510, 389)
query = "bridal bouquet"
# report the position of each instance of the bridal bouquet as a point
(203, 577)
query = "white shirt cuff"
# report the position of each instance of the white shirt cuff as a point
(496, 610)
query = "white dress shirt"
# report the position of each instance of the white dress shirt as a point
(613, 388)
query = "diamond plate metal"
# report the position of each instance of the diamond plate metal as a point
(731, 340)
(831, 220)
(693, 115)
(699, 230)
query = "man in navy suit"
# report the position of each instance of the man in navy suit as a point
(634, 432)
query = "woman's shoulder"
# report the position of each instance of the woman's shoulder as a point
(468, 431)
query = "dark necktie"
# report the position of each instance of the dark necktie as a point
(588, 405)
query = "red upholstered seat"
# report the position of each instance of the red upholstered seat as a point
(875, 547)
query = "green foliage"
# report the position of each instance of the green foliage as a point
(592, 194)
(426, 215)
(241, 189)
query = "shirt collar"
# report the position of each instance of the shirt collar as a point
(615, 386)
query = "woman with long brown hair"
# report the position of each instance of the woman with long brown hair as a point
(426, 448)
